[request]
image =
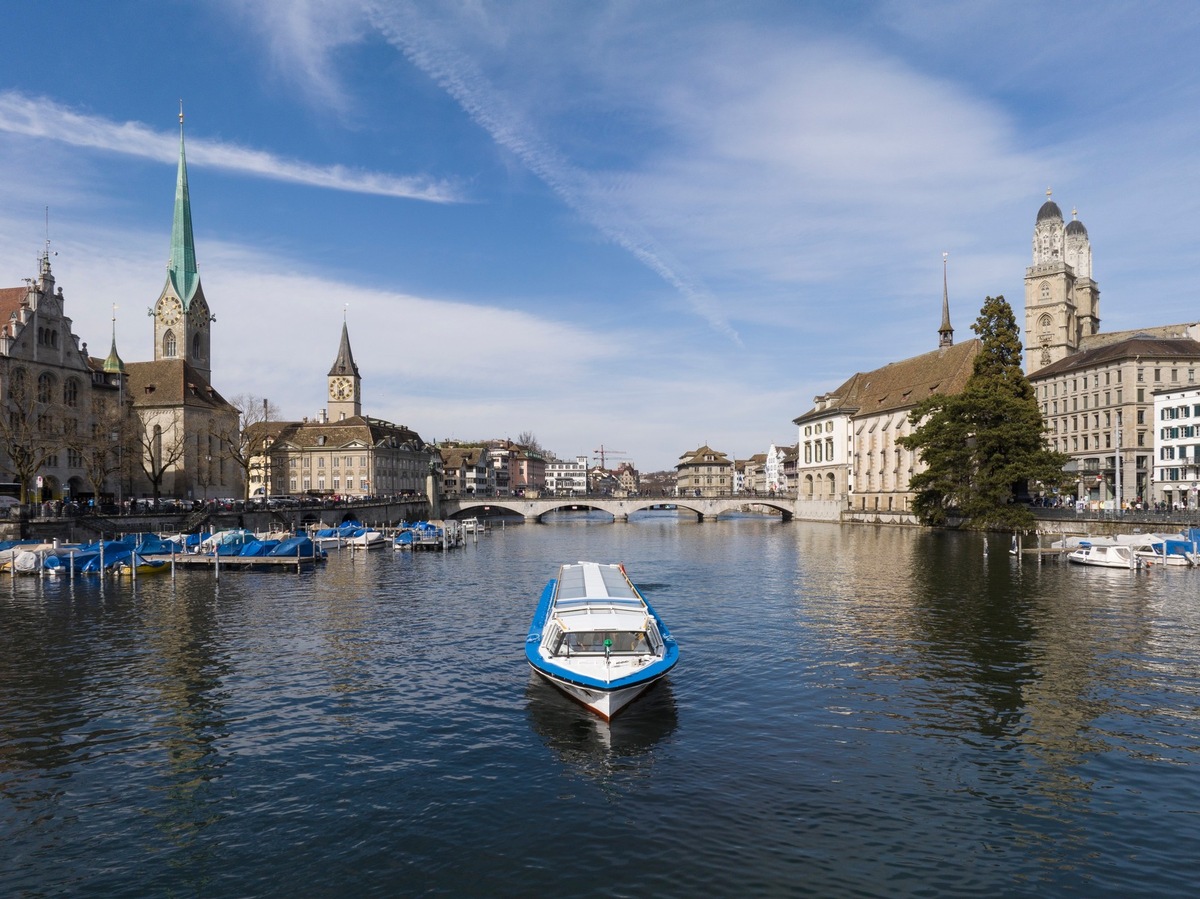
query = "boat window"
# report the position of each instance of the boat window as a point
(593, 642)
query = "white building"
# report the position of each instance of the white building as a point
(567, 478)
(1177, 442)
(774, 477)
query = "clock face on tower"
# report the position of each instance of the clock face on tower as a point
(170, 312)
(341, 388)
(198, 315)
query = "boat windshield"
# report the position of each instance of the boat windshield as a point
(595, 642)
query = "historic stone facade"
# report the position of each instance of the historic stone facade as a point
(1096, 389)
(849, 457)
(342, 452)
(184, 422)
(704, 472)
(60, 425)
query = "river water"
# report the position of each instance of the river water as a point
(857, 711)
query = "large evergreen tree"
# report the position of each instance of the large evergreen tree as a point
(981, 446)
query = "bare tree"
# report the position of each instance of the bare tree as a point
(28, 430)
(161, 443)
(108, 446)
(530, 442)
(242, 445)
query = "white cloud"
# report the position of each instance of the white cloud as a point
(47, 120)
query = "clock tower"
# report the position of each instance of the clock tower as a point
(345, 385)
(181, 315)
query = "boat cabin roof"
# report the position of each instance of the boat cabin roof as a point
(596, 589)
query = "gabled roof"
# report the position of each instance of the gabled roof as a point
(1140, 344)
(170, 382)
(900, 385)
(697, 457)
(357, 431)
(11, 300)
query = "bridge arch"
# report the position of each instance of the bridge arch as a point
(533, 510)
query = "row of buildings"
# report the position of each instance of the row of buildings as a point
(1122, 405)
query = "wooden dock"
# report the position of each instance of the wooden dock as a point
(244, 563)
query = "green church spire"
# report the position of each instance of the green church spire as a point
(182, 271)
(113, 364)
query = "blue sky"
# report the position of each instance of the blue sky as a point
(644, 226)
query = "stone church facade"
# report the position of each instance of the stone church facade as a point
(342, 452)
(1095, 389)
(79, 428)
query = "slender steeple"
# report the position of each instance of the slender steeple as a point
(344, 383)
(344, 363)
(182, 269)
(113, 364)
(945, 332)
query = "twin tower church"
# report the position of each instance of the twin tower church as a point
(77, 427)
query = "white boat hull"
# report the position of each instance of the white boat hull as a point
(1105, 556)
(605, 703)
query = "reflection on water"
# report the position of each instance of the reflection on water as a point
(601, 748)
(860, 711)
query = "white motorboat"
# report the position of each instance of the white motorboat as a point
(366, 538)
(1105, 555)
(595, 637)
(1161, 549)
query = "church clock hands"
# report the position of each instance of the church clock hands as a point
(169, 312)
(340, 388)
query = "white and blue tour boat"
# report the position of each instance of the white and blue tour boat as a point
(596, 638)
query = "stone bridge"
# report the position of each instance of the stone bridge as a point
(705, 508)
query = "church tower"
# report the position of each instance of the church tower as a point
(345, 385)
(945, 332)
(181, 315)
(1062, 302)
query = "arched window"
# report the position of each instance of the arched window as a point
(45, 391)
(169, 344)
(196, 346)
(1045, 290)
(18, 385)
(71, 393)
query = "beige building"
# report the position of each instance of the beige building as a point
(1095, 389)
(341, 452)
(704, 472)
(182, 418)
(106, 429)
(849, 458)
(60, 429)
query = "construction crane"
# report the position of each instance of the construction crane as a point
(607, 452)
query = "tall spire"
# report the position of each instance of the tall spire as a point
(945, 332)
(344, 363)
(113, 364)
(182, 269)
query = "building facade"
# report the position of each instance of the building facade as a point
(85, 428)
(704, 472)
(849, 458)
(1096, 390)
(1177, 447)
(567, 477)
(183, 422)
(63, 421)
(341, 452)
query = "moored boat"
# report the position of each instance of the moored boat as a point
(595, 637)
(1104, 555)
(137, 565)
